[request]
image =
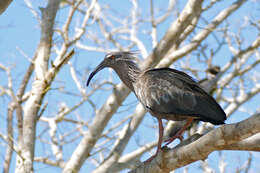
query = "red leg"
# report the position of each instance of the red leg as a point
(159, 140)
(159, 145)
(179, 133)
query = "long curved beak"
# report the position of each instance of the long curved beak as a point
(97, 69)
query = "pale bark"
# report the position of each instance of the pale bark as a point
(190, 39)
(218, 139)
(113, 102)
(40, 84)
(192, 10)
(9, 150)
(96, 128)
(174, 56)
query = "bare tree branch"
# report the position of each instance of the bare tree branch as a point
(10, 142)
(220, 138)
(201, 35)
(38, 90)
(191, 11)
(101, 134)
(106, 112)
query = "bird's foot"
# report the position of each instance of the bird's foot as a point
(171, 139)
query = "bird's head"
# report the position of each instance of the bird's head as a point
(112, 60)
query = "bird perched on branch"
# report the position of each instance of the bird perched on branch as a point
(164, 92)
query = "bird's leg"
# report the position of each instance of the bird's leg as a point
(160, 136)
(179, 133)
(159, 140)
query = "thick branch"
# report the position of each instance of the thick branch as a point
(109, 164)
(249, 144)
(192, 10)
(10, 142)
(114, 101)
(174, 56)
(218, 139)
(99, 123)
(33, 104)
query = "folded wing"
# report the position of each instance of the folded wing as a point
(169, 91)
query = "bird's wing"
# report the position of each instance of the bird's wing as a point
(169, 91)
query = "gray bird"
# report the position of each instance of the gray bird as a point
(164, 92)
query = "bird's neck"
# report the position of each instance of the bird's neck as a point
(128, 73)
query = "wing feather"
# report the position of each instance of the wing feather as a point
(169, 91)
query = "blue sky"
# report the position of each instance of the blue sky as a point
(20, 32)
